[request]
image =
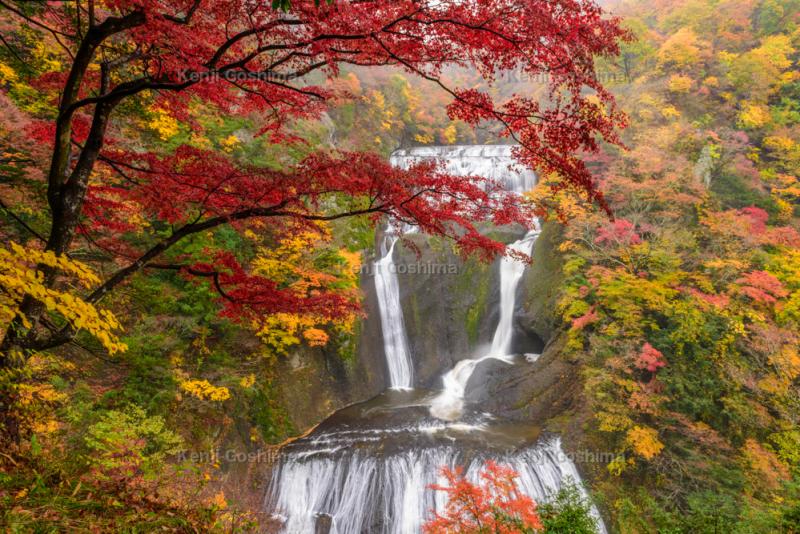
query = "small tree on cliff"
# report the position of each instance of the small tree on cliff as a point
(243, 57)
(494, 505)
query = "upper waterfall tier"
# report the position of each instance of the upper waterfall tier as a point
(495, 162)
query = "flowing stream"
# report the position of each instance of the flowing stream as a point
(449, 404)
(395, 344)
(368, 468)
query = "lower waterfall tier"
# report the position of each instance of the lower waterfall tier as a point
(369, 467)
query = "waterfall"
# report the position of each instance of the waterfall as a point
(395, 344)
(495, 162)
(511, 272)
(368, 468)
(449, 403)
(356, 491)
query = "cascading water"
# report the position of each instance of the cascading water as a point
(449, 404)
(495, 162)
(376, 479)
(511, 272)
(395, 344)
(368, 468)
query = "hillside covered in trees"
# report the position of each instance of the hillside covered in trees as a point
(683, 309)
(184, 247)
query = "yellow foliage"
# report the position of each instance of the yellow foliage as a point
(786, 361)
(681, 50)
(353, 260)
(768, 469)
(774, 385)
(291, 264)
(753, 116)
(163, 123)
(644, 441)
(37, 399)
(679, 83)
(19, 277)
(7, 74)
(776, 49)
(200, 141)
(450, 134)
(230, 143)
(779, 143)
(670, 112)
(204, 390)
(282, 330)
(46, 57)
(424, 139)
(727, 58)
(219, 501)
(562, 200)
(618, 465)
(279, 263)
(611, 422)
(248, 381)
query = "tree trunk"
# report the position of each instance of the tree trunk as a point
(66, 192)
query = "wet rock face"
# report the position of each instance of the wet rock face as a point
(540, 284)
(436, 306)
(450, 309)
(531, 389)
(450, 305)
(315, 382)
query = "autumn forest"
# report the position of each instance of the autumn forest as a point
(372, 266)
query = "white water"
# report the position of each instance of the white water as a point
(395, 344)
(449, 403)
(489, 161)
(511, 271)
(364, 492)
(359, 479)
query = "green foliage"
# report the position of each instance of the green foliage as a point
(286, 5)
(129, 439)
(732, 192)
(569, 512)
(267, 415)
(705, 227)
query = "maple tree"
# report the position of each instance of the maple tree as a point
(493, 505)
(100, 61)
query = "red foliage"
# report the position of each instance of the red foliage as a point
(718, 301)
(619, 232)
(246, 59)
(785, 236)
(761, 287)
(650, 358)
(493, 506)
(586, 319)
(757, 217)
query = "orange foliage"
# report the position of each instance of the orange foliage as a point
(493, 506)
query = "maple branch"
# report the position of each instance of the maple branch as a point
(214, 275)
(13, 52)
(66, 333)
(224, 47)
(22, 223)
(187, 17)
